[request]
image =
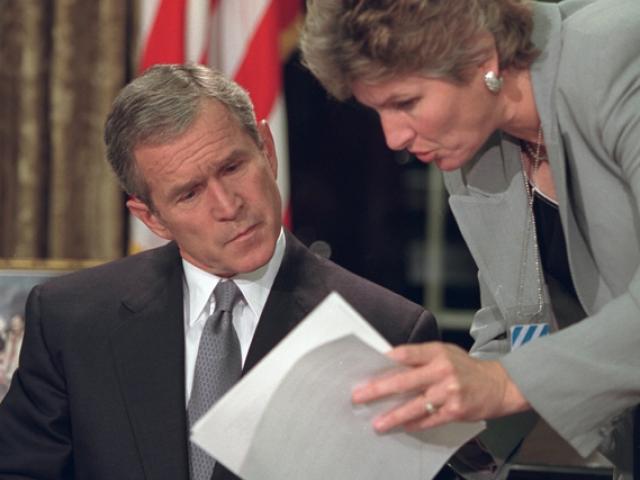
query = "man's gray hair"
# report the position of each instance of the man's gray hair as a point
(159, 106)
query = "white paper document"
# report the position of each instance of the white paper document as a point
(291, 416)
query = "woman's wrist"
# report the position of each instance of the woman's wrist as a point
(513, 400)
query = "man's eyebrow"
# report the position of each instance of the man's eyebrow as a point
(234, 155)
(177, 190)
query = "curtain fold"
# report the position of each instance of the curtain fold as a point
(63, 63)
(23, 139)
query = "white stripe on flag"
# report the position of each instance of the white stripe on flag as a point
(278, 124)
(148, 12)
(236, 26)
(198, 20)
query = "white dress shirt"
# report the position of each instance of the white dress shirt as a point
(199, 304)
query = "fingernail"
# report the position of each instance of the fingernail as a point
(357, 395)
(394, 354)
(380, 424)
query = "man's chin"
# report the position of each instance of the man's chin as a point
(239, 262)
(250, 267)
(247, 261)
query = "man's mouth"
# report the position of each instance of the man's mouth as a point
(247, 232)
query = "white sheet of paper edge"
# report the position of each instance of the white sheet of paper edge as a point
(239, 412)
(331, 319)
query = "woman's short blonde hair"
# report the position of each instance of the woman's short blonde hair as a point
(374, 40)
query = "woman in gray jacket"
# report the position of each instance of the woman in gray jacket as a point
(532, 112)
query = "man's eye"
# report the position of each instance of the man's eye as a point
(188, 196)
(232, 167)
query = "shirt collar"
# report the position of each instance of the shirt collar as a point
(255, 286)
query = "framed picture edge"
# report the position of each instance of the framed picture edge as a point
(49, 264)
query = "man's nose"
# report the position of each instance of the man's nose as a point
(225, 201)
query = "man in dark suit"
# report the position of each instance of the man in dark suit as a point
(109, 353)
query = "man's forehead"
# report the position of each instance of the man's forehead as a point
(212, 119)
(213, 138)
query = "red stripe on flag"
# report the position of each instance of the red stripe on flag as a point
(286, 215)
(261, 72)
(166, 40)
(213, 4)
(289, 10)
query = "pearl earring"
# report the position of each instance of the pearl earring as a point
(493, 81)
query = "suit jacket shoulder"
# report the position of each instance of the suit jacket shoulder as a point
(101, 376)
(133, 277)
(313, 278)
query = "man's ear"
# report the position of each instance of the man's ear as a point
(142, 212)
(268, 146)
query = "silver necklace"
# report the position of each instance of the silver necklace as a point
(531, 224)
(535, 153)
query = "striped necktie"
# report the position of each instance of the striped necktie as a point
(218, 367)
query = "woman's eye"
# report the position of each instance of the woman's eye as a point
(405, 104)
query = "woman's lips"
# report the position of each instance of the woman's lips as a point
(426, 157)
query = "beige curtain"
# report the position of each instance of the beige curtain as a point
(61, 64)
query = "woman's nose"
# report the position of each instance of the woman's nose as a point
(397, 133)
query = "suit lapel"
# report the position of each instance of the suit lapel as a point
(494, 218)
(281, 314)
(148, 350)
(293, 295)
